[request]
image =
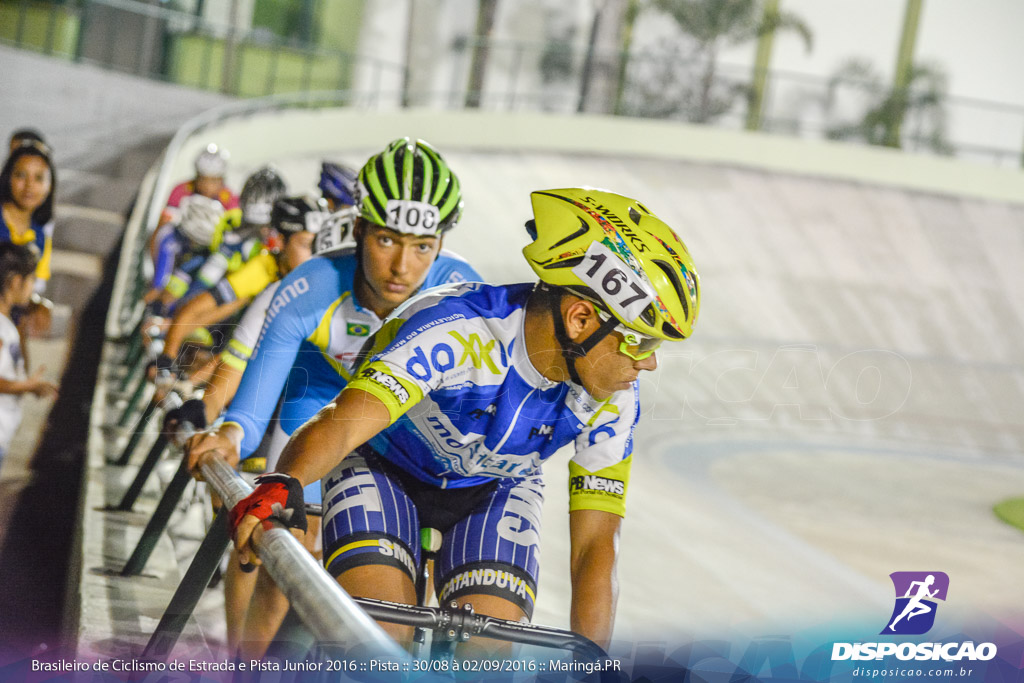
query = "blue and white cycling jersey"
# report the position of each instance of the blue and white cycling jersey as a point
(312, 335)
(187, 268)
(468, 406)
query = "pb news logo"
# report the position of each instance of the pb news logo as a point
(916, 596)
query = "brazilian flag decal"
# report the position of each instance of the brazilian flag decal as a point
(357, 330)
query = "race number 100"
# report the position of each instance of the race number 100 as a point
(418, 218)
(617, 284)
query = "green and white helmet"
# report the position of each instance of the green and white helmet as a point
(409, 188)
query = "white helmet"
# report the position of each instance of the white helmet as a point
(212, 162)
(199, 218)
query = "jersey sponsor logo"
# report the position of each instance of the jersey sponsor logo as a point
(497, 578)
(475, 350)
(474, 458)
(592, 482)
(520, 520)
(284, 296)
(546, 431)
(388, 382)
(392, 549)
(357, 330)
(442, 357)
(478, 413)
(444, 433)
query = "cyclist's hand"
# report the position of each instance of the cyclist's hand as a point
(154, 328)
(278, 497)
(191, 412)
(205, 446)
(162, 366)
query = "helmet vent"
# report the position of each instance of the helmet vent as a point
(567, 263)
(673, 277)
(579, 233)
(671, 331)
(634, 216)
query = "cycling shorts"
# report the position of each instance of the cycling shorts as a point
(373, 512)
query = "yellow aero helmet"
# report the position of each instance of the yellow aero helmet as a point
(613, 251)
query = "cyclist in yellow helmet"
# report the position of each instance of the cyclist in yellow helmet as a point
(501, 378)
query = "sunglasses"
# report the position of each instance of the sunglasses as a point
(634, 345)
(637, 346)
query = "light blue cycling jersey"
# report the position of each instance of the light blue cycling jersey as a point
(312, 334)
(467, 404)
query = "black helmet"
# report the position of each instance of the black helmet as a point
(297, 214)
(261, 190)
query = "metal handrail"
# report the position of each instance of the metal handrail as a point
(327, 610)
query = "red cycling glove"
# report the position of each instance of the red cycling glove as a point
(277, 496)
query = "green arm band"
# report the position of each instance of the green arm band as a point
(397, 394)
(603, 490)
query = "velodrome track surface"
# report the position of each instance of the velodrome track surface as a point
(849, 405)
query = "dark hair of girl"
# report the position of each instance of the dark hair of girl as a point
(43, 214)
(15, 259)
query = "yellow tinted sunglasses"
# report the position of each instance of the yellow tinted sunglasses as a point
(635, 345)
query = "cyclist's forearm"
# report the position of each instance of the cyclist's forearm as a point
(220, 390)
(201, 310)
(318, 446)
(594, 594)
(593, 551)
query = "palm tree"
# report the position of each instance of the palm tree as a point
(715, 25)
(922, 99)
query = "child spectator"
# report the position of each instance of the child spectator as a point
(28, 182)
(17, 278)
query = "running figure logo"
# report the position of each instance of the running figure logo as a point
(916, 593)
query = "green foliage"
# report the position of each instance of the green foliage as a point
(885, 110)
(712, 26)
(557, 61)
(289, 19)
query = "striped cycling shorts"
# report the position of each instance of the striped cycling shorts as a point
(373, 513)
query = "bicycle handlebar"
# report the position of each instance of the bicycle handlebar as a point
(460, 624)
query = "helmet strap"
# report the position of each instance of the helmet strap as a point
(572, 351)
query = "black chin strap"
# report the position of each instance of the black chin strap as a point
(571, 350)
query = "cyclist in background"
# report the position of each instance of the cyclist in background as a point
(211, 167)
(467, 391)
(326, 310)
(298, 224)
(338, 184)
(247, 256)
(301, 222)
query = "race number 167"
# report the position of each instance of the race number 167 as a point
(618, 285)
